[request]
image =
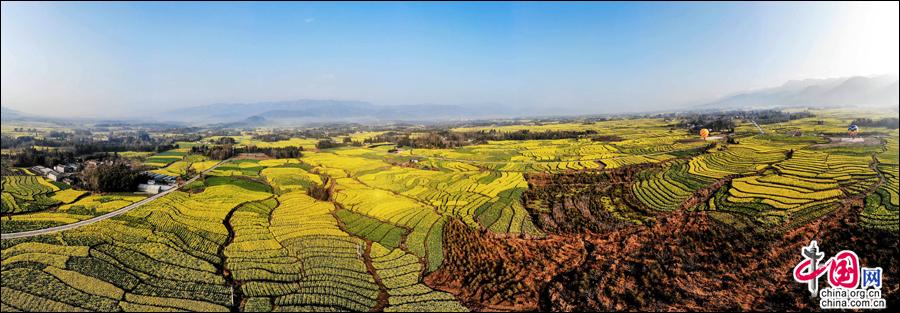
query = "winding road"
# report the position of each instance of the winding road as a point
(123, 210)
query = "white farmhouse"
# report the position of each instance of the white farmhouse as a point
(150, 189)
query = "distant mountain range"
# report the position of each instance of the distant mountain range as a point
(301, 111)
(9, 114)
(857, 91)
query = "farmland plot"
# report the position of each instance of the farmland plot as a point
(85, 207)
(163, 256)
(251, 236)
(28, 194)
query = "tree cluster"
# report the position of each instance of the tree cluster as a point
(222, 152)
(328, 144)
(444, 139)
(29, 157)
(227, 151)
(271, 137)
(714, 123)
(111, 177)
(889, 123)
(320, 192)
(773, 116)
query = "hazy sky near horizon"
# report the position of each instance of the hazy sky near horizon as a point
(130, 59)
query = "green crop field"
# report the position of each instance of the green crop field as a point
(166, 158)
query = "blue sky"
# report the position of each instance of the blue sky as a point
(123, 59)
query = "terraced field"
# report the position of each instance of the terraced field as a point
(181, 167)
(488, 198)
(301, 260)
(162, 256)
(735, 160)
(69, 211)
(399, 272)
(650, 144)
(667, 188)
(366, 228)
(28, 193)
(247, 140)
(234, 243)
(163, 159)
(882, 206)
(249, 168)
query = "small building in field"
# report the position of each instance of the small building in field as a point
(65, 169)
(40, 170)
(160, 178)
(150, 189)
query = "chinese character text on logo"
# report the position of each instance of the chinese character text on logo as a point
(844, 275)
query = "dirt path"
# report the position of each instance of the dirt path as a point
(382, 302)
(850, 142)
(237, 295)
(366, 255)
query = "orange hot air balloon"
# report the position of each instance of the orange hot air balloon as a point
(704, 133)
